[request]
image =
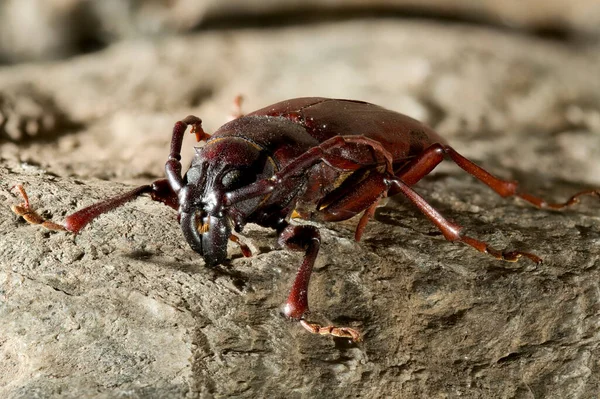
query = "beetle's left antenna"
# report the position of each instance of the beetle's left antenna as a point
(201, 135)
(173, 164)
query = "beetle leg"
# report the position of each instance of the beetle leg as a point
(354, 198)
(159, 191)
(433, 155)
(307, 238)
(452, 231)
(300, 238)
(510, 188)
(354, 156)
(366, 216)
(421, 165)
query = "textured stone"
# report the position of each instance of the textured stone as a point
(126, 309)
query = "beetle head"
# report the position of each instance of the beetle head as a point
(221, 166)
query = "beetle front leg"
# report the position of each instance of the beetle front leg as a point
(307, 238)
(159, 191)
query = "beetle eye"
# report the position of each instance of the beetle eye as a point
(232, 179)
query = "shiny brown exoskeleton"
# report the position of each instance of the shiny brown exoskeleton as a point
(314, 158)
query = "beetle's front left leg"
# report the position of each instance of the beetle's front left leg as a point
(307, 238)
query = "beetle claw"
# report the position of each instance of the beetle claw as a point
(340, 332)
(243, 247)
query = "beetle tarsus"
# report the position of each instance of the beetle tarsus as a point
(29, 215)
(575, 199)
(509, 256)
(340, 332)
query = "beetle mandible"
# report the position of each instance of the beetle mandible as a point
(313, 158)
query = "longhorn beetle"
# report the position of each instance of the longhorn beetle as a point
(313, 158)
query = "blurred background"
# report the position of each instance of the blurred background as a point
(35, 30)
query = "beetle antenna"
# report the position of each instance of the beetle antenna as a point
(196, 129)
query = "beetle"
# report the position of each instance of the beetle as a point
(312, 158)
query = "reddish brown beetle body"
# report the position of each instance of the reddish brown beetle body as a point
(314, 158)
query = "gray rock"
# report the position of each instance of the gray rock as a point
(126, 309)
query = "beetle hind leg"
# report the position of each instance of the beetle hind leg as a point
(452, 231)
(507, 188)
(434, 154)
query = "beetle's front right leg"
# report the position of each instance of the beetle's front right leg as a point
(159, 191)
(307, 238)
(163, 190)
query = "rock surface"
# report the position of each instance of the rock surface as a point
(127, 309)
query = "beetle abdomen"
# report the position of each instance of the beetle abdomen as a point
(325, 118)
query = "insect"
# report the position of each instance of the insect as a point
(312, 158)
